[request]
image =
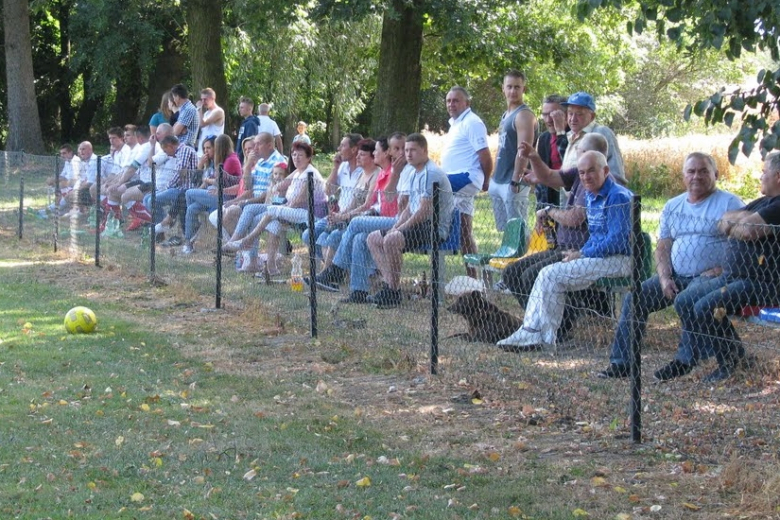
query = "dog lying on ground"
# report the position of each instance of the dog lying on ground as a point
(487, 323)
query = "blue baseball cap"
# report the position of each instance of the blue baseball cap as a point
(581, 99)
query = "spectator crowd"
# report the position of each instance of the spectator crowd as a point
(714, 255)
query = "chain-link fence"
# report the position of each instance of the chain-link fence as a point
(556, 333)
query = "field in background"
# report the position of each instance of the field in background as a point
(654, 166)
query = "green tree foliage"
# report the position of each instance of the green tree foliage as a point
(543, 38)
(320, 70)
(732, 26)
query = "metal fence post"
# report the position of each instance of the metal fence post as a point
(220, 198)
(638, 246)
(98, 212)
(435, 241)
(20, 232)
(312, 257)
(152, 234)
(57, 199)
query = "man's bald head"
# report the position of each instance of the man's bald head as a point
(594, 142)
(85, 150)
(163, 130)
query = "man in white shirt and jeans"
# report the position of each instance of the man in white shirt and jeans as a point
(467, 161)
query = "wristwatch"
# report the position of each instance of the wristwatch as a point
(514, 184)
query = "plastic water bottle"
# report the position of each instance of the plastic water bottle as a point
(296, 275)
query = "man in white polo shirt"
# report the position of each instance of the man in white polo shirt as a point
(467, 161)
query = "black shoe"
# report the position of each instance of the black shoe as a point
(356, 297)
(171, 242)
(615, 371)
(330, 278)
(371, 298)
(332, 274)
(672, 370)
(388, 298)
(721, 373)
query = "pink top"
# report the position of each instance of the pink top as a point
(387, 208)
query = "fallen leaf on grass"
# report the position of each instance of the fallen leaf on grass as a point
(580, 512)
(598, 481)
(249, 475)
(137, 497)
(515, 511)
(363, 482)
(692, 507)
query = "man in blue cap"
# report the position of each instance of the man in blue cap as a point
(581, 115)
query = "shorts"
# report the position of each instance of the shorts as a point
(464, 199)
(416, 237)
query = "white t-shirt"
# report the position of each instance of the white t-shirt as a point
(88, 170)
(268, 125)
(210, 129)
(347, 180)
(140, 161)
(165, 170)
(467, 136)
(697, 244)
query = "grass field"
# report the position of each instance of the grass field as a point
(175, 410)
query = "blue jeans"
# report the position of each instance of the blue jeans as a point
(164, 198)
(652, 299)
(331, 238)
(353, 254)
(357, 225)
(700, 311)
(320, 225)
(249, 219)
(198, 201)
(363, 265)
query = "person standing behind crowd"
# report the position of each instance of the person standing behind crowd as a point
(467, 161)
(163, 114)
(581, 114)
(269, 125)
(552, 146)
(250, 126)
(301, 135)
(186, 127)
(507, 193)
(211, 117)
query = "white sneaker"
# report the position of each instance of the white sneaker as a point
(187, 249)
(522, 339)
(162, 228)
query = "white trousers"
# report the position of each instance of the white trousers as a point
(544, 311)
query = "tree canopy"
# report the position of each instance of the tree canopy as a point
(377, 66)
(730, 26)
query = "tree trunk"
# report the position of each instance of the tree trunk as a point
(129, 89)
(64, 75)
(204, 23)
(88, 109)
(169, 69)
(397, 104)
(24, 124)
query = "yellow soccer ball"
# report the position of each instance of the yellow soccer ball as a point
(80, 320)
